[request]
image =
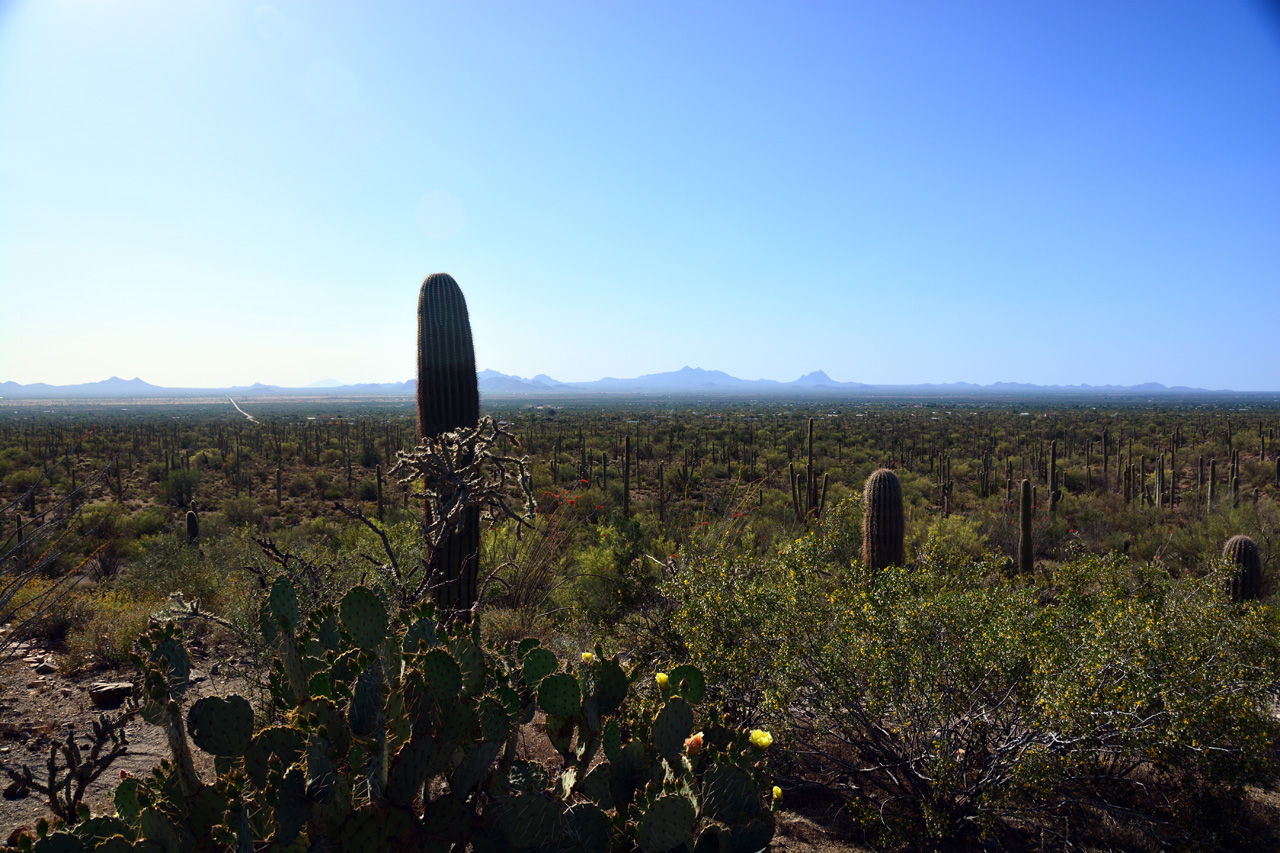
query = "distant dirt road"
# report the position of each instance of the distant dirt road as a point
(251, 418)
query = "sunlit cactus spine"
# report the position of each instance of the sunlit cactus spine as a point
(1247, 583)
(449, 398)
(883, 523)
(1025, 560)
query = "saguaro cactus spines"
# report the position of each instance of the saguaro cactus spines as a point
(1247, 583)
(1025, 560)
(449, 398)
(883, 524)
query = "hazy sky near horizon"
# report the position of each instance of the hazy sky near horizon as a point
(216, 192)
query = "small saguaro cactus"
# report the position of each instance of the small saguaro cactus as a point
(449, 398)
(1247, 583)
(193, 526)
(883, 524)
(1025, 559)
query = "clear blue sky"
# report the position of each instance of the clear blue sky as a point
(219, 192)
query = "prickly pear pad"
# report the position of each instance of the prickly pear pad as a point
(221, 726)
(589, 826)
(530, 820)
(282, 743)
(559, 694)
(443, 675)
(408, 770)
(611, 686)
(752, 837)
(178, 668)
(365, 710)
(422, 633)
(283, 602)
(689, 683)
(364, 616)
(666, 825)
(448, 819)
(729, 794)
(673, 724)
(471, 662)
(495, 722)
(292, 812)
(538, 664)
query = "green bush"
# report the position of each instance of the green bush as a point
(180, 486)
(241, 512)
(950, 701)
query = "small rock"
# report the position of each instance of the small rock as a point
(45, 668)
(109, 694)
(195, 676)
(213, 670)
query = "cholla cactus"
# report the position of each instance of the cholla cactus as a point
(461, 473)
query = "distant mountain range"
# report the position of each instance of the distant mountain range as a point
(687, 380)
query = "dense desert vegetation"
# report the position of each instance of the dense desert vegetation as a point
(1114, 691)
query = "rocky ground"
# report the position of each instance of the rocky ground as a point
(40, 705)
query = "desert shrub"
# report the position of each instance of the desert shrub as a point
(180, 486)
(111, 623)
(19, 481)
(951, 543)
(241, 512)
(211, 574)
(46, 610)
(949, 700)
(147, 522)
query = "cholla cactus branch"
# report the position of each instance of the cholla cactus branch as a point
(70, 772)
(461, 470)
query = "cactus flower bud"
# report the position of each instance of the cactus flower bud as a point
(587, 657)
(777, 794)
(693, 745)
(761, 739)
(661, 678)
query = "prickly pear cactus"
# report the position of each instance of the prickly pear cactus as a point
(396, 712)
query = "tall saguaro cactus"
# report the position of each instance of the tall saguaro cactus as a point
(883, 523)
(1026, 561)
(449, 398)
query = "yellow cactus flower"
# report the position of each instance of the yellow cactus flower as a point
(777, 794)
(761, 739)
(662, 679)
(587, 657)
